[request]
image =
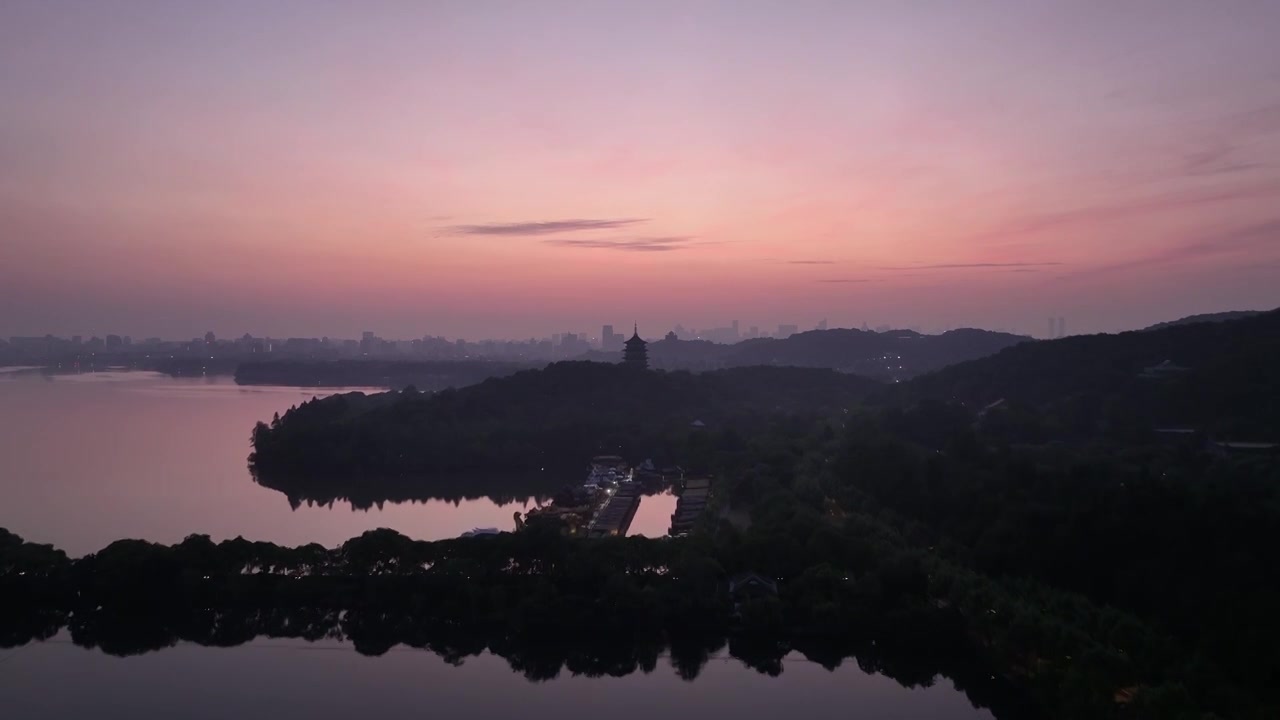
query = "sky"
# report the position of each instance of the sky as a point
(512, 169)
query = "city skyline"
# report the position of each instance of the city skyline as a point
(445, 167)
(602, 339)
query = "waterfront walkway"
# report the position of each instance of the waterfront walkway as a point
(693, 501)
(615, 516)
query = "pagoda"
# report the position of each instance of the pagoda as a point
(635, 351)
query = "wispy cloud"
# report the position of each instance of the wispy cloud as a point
(1260, 121)
(1122, 210)
(640, 244)
(1250, 242)
(546, 227)
(1260, 236)
(962, 266)
(1216, 159)
(847, 280)
(1235, 132)
(810, 262)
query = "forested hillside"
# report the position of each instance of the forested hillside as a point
(555, 417)
(1222, 378)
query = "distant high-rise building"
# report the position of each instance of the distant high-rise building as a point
(572, 343)
(753, 331)
(786, 331)
(636, 352)
(608, 338)
(1062, 327)
(1053, 328)
(735, 330)
(822, 324)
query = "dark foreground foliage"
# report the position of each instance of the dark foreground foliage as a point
(544, 602)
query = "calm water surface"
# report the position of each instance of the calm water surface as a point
(273, 679)
(92, 458)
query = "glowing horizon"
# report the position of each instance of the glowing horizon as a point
(502, 170)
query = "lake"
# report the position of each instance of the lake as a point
(89, 459)
(275, 678)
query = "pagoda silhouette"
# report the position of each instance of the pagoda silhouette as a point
(635, 352)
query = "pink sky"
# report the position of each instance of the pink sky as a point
(503, 169)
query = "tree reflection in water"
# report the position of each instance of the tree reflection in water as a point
(502, 489)
(373, 632)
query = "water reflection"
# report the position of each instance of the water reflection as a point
(653, 517)
(690, 655)
(284, 678)
(502, 490)
(96, 457)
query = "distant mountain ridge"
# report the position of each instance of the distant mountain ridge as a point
(1206, 317)
(1221, 377)
(890, 356)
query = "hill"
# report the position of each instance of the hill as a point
(1206, 317)
(889, 356)
(536, 420)
(893, 355)
(1218, 377)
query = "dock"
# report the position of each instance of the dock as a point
(690, 506)
(615, 515)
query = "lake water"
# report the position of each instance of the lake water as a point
(89, 459)
(92, 458)
(272, 679)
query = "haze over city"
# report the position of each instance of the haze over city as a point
(519, 169)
